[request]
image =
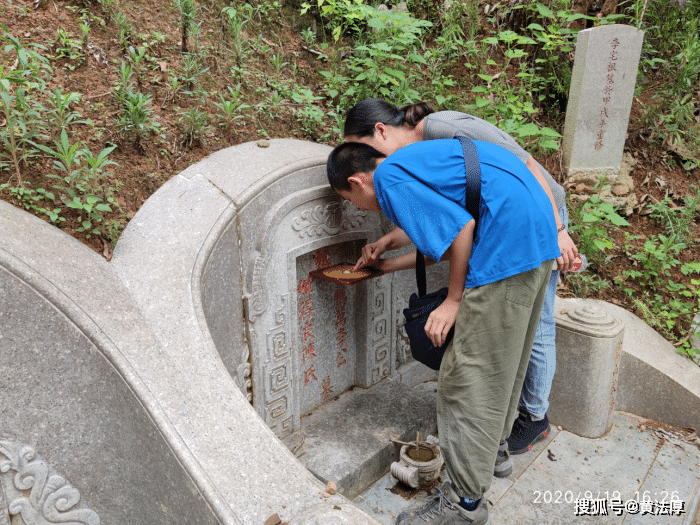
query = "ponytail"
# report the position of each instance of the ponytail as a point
(363, 116)
(414, 113)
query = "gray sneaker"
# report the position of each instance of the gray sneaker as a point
(443, 509)
(504, 465)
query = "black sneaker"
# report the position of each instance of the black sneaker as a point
(525, 432)
(504, 466)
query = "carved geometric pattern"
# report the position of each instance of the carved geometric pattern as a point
(379, 373)
(277, 373)
(278, 418)
(378, 303)
(380, 352)
(37, 495)
(277, 344)
(277, 408)
(380, 337)
(330, 218)
(380, 329)
(279, 379)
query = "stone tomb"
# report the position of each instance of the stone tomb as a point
(312, 340)
(600, 100)
(152, 388)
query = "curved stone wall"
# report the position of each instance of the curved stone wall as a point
(75, 414)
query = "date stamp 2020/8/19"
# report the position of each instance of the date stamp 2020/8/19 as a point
(587, 503)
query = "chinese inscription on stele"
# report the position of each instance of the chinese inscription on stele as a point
(607, 92)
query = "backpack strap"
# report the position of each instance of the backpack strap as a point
(473, 177)
(472, 200)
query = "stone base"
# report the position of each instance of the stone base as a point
(348, 440)
(619, 189)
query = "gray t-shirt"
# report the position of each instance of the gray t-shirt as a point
(450, 124)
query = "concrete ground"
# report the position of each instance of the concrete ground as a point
(631, 462)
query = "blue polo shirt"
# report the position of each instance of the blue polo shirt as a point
(421, 188)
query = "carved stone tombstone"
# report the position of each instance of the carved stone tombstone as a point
(600, 100)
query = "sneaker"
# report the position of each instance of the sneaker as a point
(525, 432)
(444, 508)
(504, 466)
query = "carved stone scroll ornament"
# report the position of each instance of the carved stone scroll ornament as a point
(330, 218)
(39, 496)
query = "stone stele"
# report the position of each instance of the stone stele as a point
(600, 100)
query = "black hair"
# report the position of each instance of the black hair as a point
(349, 159)
(365, 114)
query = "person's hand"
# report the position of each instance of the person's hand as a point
(440, 321)
(568, 252)
(370, 255)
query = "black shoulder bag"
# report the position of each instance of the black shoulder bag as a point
(421, 305)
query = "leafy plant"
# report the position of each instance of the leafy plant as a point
(23, 124)
(677, 221)
(586, 284)
(137, 57)
(388, 64)
(191, 71)
(187, 9)
(65, 157)
(229, 109)
(194, 126)
(58, 111)
(126, 30)
(90, 209)
(32, 199)
(237, 20)
(338, 16)
(66, 47)
(593, 223)
(137, 122)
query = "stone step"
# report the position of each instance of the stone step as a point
(348, 440)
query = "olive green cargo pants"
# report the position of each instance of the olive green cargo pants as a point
(482, 374)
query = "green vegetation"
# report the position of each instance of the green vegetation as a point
(102, 101)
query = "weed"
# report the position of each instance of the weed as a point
(593, 223)
(279, 64)
(126, 30)
(187, 10)
(66, 47)
(191, 70)
(586, 284)
(229, 109)
(309, 116)
(309, 36)
(657, 257)
(677, 221)
(137, 122)
(194, 127)
(58, 111)
(65, 157)
(338, 16)
(35, 200)
(91, 209)
(236, 21)
(23, 124)
(137, 57)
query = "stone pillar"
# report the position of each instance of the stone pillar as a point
(589, 345)
(600, 100)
